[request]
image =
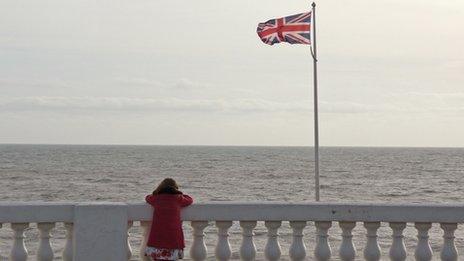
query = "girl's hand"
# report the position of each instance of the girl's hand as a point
(185, 200)
(150, 199)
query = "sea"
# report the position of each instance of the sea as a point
(123, 173)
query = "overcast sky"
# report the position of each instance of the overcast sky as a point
(195, 72)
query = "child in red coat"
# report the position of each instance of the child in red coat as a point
(166, 239)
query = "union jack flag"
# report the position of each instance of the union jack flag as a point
(294, 29)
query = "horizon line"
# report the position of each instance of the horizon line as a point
(226, 145)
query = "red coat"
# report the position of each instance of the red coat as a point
(166, 227)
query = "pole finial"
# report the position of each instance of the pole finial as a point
(313, 4)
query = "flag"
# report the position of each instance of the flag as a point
(294, 29)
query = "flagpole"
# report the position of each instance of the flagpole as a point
(316, 118)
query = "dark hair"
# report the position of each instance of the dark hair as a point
(167, 186)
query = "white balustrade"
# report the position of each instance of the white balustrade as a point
(372, 249)
(423, 250)
(272, 250)
(129, 248)
(18, 251)
(223, 251)
(68, 247)
(449, 251)
(398, 249)
(248, 248)
(82, 229)
(146, 226)
(198, 251)
(322, 251)
(297, 249)
(45, 252)
(347, 251)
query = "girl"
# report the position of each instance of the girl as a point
(166, 239)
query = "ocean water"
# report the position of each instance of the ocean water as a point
(128, 173)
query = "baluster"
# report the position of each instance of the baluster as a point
(19, 251)
(272, 249)
(45, 252)
(129, 248)
(68, 247)
(449, 251)
(222, 250)
(146, 226)
(347, 251)
(372, 250)
(398, 249)
(297, 250)
(423, 251)
(248, 248)
(322, 251)
(198, 250)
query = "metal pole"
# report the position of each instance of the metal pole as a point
(316, 118)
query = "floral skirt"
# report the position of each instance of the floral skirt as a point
(164, 254)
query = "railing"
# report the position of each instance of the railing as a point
(99, 231)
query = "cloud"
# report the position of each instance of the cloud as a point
(185, 84)
(46, 103)
(349, 107)
(181, 84)
(138, 81)
(429, 102)
(101, 104)
(39, 103)
(31, 82)
(423, 103)
(436, 96)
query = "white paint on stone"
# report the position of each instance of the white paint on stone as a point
(100, 232)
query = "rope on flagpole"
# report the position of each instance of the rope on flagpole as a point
(312, 53)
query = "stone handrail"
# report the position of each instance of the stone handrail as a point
(98, 231)
(361, 212)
